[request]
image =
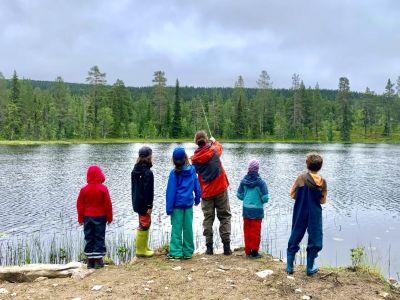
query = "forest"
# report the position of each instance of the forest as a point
(44, 110)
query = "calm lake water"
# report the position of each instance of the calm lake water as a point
(39, 186)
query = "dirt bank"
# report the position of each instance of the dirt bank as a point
(206, 277)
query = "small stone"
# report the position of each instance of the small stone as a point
(178, 268)
(150, 281)
(305, 297)
(13, 294)
(290, 277)
(41, 278)
(3, 291)
(97, 288)
(229, 280)
(204, 258)
(276, 259)
(166, 288)
(298, 291)
(147, 289)
(392, 281)
(384, 294)
(190, 278)
(55, 284)
(220, 270)
(223, 268)
(76, 299)
(109, 290)
(265, 273)
(193, 270)
(209, 272)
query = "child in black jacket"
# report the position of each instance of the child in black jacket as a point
(142, 182)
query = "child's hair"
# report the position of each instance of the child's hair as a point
(314, 161)
(179, 163)
(201, 138)
(145, 160)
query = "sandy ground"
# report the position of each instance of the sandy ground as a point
(205, 277)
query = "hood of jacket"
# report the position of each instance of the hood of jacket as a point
(314, 180)
(203, 154)
(139, 169)
(252, 179)
(95, 175)
(187, 170)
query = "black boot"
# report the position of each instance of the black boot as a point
(227, 248)
(255, 254)
(90, 263)
(210, 249)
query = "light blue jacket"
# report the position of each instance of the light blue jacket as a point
(253, 192)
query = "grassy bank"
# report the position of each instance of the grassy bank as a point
(209, 277)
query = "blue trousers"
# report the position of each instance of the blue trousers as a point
(307, 216)
(94, 229)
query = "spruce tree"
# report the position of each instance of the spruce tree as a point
(345, 117)
(177, 119)
(387, 107)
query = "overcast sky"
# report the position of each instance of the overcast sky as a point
(204, 43)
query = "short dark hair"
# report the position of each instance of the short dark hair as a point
(201, 138)
(314, 161)
(145, 161)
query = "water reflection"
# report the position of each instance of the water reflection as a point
(39, 186)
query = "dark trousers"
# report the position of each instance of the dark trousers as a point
(306, 216)
(252, 234)
(219, 203)
(94, 229)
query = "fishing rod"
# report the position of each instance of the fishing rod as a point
(205, 116)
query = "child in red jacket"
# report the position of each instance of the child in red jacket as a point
(94, 211)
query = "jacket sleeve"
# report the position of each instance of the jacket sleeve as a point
(324, 193)
(217, 145)
(80, 206)
(240, 192)
(108, 205)
(149, 189)
(197, 190)
(133, 190)
(293, 189)
(171, 192)
(264, 192)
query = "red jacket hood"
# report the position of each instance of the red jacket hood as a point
(203, 154)
(95, 175)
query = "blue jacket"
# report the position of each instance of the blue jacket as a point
(181, 186)
(254, 193)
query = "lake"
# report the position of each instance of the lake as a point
(39, 186)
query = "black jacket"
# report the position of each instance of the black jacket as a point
(142, 183)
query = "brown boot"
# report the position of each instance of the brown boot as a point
(98, 264)
(90, 263)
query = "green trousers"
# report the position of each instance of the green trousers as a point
(181, 220)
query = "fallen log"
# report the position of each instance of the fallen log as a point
(29, 273)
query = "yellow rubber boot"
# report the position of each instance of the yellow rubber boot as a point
(142, 249)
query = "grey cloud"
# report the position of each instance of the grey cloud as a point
(203, 43)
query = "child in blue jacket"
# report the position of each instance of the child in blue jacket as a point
(182, 183)
(253, 192)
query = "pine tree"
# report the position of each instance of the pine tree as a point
(177, 119)
(265, 109)
(160, 99)
(316, 111)
(387, 107)
(345, 118)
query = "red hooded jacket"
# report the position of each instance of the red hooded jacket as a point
(206, 157)
(94, 199)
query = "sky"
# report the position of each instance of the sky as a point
(204, 43)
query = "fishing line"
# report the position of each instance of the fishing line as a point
(204, 112)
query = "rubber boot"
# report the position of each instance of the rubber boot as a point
(254, 254)
(98, 263)
(289, 265)
(90, 263)
(210, 249)
(142, 239)
(311, 266)
(227, 248)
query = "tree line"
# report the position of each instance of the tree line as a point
(36, 110)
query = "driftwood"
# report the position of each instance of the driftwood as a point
(29, 273)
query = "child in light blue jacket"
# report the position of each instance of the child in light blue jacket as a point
(253, 192)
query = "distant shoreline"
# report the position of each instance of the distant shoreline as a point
(188, 140)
